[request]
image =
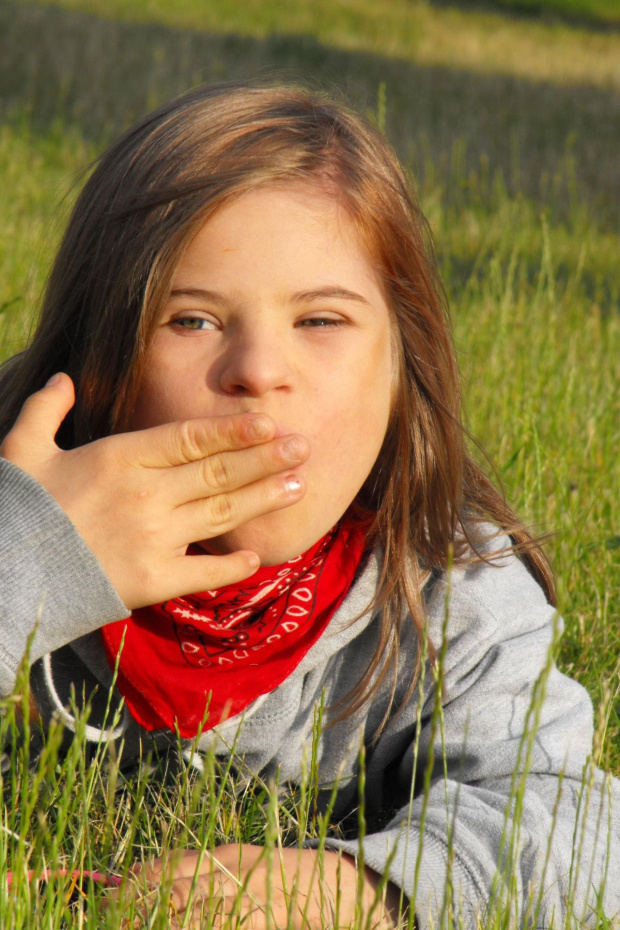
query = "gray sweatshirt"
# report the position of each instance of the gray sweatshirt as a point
(463, 839)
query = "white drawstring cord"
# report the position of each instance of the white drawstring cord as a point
(93, 734)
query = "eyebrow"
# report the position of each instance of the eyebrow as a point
(323, 293)
(320, 293)
(200, 293)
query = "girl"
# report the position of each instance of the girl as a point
(248, 308)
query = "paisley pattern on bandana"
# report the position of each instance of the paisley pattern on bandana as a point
(191, 662)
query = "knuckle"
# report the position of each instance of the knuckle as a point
(231, 430)
(187, 440)
(149, 533)
(216, 574)
(215, 473)
(224, 428)
(221, 512)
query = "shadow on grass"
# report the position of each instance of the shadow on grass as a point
(536, 10)
(62, 68)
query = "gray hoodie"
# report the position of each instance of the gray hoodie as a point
(444, 843)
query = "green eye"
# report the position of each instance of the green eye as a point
(194, 323)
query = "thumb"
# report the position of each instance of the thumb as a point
(39, 419)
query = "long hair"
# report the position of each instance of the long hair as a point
(151, 193)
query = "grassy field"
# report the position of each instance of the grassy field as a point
(507, 114)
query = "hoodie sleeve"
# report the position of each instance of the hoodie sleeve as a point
(507, 814)
(52, 588)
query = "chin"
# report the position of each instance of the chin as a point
(275, 538)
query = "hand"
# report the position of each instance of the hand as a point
(319, 889)
(140, 498)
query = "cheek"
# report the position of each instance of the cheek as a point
(159, 398)
(349, 437)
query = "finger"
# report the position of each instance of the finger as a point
(196, 573)
(228, 471)
(40, 418)
(221, 513)
(190, 440)
(175, 878)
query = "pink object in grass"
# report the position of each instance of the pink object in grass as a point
(108, 881)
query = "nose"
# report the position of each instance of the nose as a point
(256, 363)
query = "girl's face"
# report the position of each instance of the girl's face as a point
(276, 308)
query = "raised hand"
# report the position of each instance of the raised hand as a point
(140, 498)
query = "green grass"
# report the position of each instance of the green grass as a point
(37, 173)
(511, 128)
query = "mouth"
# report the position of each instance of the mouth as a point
(281, 430)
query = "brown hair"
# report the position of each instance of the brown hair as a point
(150, 194)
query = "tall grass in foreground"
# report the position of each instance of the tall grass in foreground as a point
(78, 810)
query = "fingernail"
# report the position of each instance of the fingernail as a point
(53, 380)
(292, 450)
(260, 428)
(292, 484)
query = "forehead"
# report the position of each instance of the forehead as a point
(300, 230)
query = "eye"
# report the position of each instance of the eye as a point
(322, 322)
(193, 323)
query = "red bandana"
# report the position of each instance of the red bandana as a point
(225, 648)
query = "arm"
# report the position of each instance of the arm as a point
(49, 578)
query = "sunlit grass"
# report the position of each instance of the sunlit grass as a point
(38, 174)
